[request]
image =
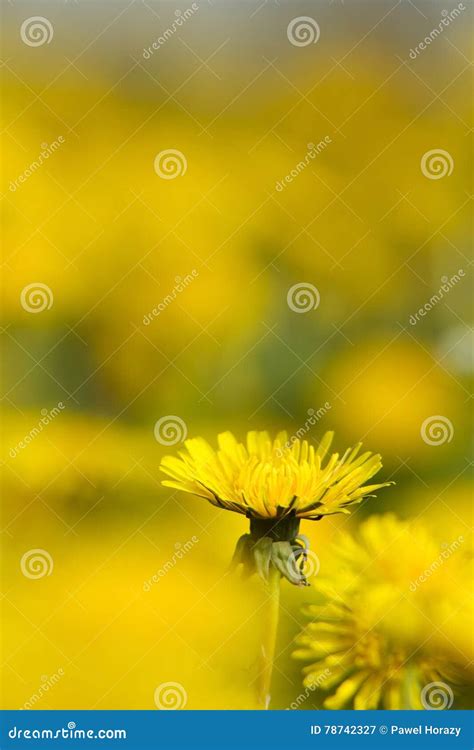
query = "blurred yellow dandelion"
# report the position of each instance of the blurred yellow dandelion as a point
(372, 642)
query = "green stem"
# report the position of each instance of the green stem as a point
(269, 638)
(408, 689)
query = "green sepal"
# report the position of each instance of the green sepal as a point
(241, 552)
(257, 554)
(285, 559)
(262, 553)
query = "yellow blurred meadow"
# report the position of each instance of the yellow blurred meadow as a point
(218, 218)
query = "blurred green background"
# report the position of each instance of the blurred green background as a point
(109, 237)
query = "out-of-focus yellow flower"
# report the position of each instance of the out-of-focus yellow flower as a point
(138, 610)
(67, 455)
(447, 512)
(387, 403)
(374, 639)
(273, 478)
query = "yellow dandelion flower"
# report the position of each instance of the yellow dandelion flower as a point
(275, 483)
(374, 640)
(273, 478)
